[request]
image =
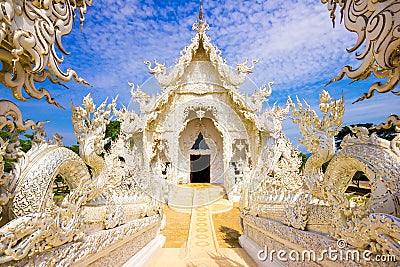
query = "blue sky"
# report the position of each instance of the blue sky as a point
(293, 40)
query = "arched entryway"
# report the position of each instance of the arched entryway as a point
(200, 161)
(201, 152)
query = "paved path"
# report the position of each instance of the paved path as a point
(201, 247)
(202, 241)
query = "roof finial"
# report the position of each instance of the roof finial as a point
(201, 10)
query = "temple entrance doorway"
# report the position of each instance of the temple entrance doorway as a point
(199, 168)
(200, 154)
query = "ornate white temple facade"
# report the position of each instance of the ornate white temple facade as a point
(201, 124)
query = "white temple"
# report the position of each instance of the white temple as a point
(201, 124)
(201, 130)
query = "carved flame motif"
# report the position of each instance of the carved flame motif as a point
(395, 143)
(29, 33)
(377, 25)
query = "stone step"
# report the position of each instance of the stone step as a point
(182, 196)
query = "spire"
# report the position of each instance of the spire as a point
(201, 26)
(201, 10)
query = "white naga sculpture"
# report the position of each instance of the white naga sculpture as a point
(316, 201)
(103, 217)
(106, 198)
(318, 136)
(376, 224)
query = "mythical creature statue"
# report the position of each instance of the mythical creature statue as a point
(270, 121)
(29, 34)
(90, 127)
(318, 136)
(233, 80)
(36, 222)
(257, 99)
(376, 24)
(10, 122)
(146, 102)
(243, 68)
(158, 69)
(374, 225)
(393, 120)
(40, 222)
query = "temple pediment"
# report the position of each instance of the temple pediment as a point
(201, 70)
(201, 50)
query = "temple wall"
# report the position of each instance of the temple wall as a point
(179, 125)
(112, 247)
(273, 236)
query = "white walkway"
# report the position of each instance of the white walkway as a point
(202, 247)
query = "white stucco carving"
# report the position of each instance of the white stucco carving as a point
(30, 31)
(115, 208)
(376, 25)
(200, 95)
(106, 197)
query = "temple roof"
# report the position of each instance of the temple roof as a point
(201, 49)
(201, 70)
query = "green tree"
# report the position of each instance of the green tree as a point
(60, 188)
(26, 144)
(112, 131)
(304, 159)
(325, 166)
(5, 135)
(74, 148)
